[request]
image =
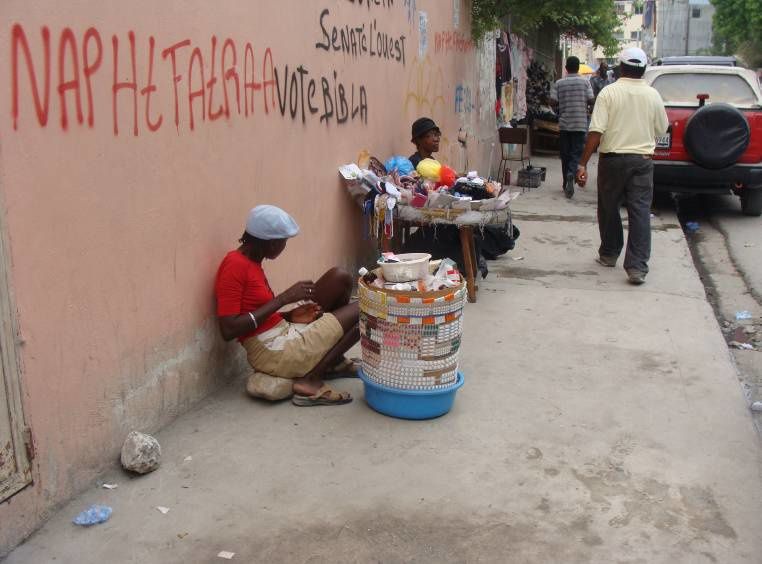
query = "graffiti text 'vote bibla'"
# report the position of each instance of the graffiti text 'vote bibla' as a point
(223, 80)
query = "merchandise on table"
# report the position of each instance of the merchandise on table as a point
(431, 194)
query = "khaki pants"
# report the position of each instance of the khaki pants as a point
(300, 354)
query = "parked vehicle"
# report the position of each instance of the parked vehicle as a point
(714, 142)
(698, 60)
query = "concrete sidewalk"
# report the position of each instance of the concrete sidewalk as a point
(599, 422)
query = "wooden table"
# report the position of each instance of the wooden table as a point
(407, 220)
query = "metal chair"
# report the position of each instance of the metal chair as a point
(511, 136)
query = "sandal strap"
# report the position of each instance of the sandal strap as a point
(327, 393)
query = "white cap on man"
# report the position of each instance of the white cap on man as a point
(633, 57)
(270, 222)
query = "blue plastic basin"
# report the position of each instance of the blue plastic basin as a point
(410, 404)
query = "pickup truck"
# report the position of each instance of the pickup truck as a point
(714, 141)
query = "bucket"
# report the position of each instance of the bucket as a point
(412, 266)
(410, 404)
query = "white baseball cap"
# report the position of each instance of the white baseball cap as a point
(634, 57)
(270, 222)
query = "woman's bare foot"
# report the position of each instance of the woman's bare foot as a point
(306, 386)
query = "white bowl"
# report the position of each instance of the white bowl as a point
(412, 266)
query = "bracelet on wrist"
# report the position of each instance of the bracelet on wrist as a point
(254, 319)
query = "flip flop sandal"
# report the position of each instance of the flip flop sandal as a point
(324, 396)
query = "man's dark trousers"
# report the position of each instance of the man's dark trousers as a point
(628, 179)
(571, 144)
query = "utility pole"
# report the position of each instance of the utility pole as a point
(687, 26)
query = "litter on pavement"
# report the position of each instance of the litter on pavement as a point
(162, 509)
(93, 515)
(226, 555)
(691, 226)
(744, 346)
(756, 406)
(110, 486)
(743, 315)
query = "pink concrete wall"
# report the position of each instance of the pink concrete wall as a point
(120, 205)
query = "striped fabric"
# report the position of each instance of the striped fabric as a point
(573, 94)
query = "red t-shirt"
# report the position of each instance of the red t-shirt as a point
(241, 287)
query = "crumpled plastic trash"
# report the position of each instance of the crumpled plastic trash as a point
(392, 190)
(93, 515)
(399, 163)
(691, 226)
(743, 315)
(446, 276)
(742, 346)
(756, 406)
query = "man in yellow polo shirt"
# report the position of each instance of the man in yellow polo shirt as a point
(627, 117)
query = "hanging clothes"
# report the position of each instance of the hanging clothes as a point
(520, 57)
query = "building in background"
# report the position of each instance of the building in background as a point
(662, 28)
(683, 27)
(631, 34)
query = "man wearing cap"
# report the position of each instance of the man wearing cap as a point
(290, 352)
(425, 135)
(572, 94)
(628, 116)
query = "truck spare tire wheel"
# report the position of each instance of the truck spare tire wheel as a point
(716, 135)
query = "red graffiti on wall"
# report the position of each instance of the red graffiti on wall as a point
(452, 42)
(206, 82)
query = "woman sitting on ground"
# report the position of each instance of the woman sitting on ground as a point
(301, 344)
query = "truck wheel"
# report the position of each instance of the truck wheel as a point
(751, 202)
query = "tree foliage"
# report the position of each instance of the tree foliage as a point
(737, 29)
(591, 19)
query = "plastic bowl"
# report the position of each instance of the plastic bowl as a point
(410, 404)
(412, 266)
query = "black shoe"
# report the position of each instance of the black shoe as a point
(606, 261)
(569, 185)
(636, 277)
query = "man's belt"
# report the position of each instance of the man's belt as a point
(619, 155)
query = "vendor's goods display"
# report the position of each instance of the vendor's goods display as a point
(431, 193)
(411, 340)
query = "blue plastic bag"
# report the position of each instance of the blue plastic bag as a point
(93, 515)
(399, 163)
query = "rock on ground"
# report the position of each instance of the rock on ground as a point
(141, 453)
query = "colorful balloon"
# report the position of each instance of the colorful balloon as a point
(429, 169)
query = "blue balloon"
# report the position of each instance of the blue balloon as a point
(399, 163)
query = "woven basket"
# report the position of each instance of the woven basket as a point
(411, 340)
(529, 178)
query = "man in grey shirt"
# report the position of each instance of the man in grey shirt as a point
(572, 95)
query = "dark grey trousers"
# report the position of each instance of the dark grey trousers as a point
(571, 145)
(628, 179)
